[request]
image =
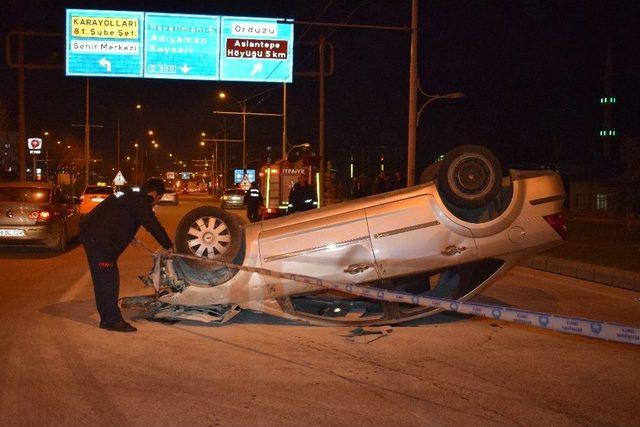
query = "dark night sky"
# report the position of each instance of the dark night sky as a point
(532, 73)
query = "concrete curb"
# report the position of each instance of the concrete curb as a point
(582, 270)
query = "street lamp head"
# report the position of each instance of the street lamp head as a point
(135, 145)
(202, 143)
(203, 134)
(59, 142)
(150, 132)
(455, 95)
(222, 95)
(138, 107)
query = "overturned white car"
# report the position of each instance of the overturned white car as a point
(449, 237)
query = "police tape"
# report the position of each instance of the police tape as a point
(570, 325)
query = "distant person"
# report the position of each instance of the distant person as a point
(253, 201)
(302, 197)
(363, 185)
(105, 233)
(398, 180)
(381, 184)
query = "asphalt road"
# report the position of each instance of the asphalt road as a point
(58, 368)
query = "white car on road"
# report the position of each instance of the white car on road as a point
(450, 236)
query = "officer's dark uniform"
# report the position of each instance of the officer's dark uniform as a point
(253, 200)
(105, 233)
(302, 198)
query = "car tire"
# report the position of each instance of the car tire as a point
(430, 173)
(470, 176)
(210, 233)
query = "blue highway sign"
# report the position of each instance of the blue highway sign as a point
(256, 49)
(181, 46)
(104, 43)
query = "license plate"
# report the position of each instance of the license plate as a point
(11, 233)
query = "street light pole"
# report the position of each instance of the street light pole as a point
(118, 147)
(431, 98)
(243, 105)
(413, 96)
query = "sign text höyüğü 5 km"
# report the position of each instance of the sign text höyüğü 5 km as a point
(178, 46)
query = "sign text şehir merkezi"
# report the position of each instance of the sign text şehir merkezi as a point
(178, 46)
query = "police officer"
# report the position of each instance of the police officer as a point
(105, 233)
(302, 197)
(253, 201)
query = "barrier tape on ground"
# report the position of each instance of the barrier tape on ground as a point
(570, 325)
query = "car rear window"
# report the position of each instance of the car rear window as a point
(21, 194)
(234, 192)
(98, 190)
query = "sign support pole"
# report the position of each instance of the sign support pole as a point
(284, 121)
(86, 135)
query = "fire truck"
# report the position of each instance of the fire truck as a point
(276, 180)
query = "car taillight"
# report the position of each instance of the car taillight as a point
(556, 221)
(43, 215)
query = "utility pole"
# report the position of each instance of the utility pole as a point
(321, 120)
(22, 131)
(413, 97)
(22, 67)
(86, 135)
(118, 147)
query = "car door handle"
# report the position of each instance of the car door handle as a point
(356, 268)
(453, 250)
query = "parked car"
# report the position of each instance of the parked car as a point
(92, 196)
(170, 196)
(232, 198)
(37, 214)
(451, 236)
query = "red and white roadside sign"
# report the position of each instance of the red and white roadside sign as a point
(119, 179)
(34, 145)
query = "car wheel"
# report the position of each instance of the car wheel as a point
(430, 173)
(210, 232)
(470, 176)
(61, 245)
